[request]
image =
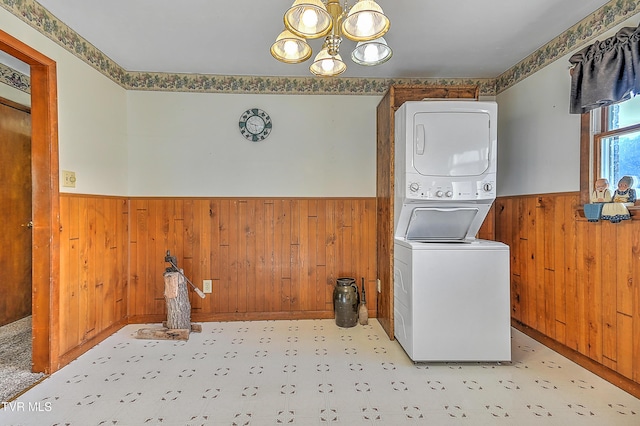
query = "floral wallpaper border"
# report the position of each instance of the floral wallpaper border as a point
(31, 12)
(15, 79)
(603, 19)
(286, 85)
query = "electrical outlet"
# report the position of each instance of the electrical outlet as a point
(68, 179)
(379, 285)
(207, 286)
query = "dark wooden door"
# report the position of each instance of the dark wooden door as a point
(15, 212)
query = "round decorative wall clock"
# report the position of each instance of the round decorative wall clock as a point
(255, 124)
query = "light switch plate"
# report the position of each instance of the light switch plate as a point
(68, 179)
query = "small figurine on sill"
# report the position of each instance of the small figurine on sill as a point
(623, 196)
(601, 194)
(625, 193)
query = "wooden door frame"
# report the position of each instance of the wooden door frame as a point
(45, 202)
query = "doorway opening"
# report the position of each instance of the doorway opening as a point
(45, 202)
(15, 209)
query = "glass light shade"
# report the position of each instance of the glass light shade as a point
(374, 52)
(290, 49)
(365, 21)
(326, 65)
(308, 19)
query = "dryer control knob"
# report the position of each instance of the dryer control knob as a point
(449, 194)
(487, 187)
(439, 194)
(414, 187)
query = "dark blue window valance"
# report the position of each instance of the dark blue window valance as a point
(606, 72)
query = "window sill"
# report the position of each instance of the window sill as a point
(634, 211)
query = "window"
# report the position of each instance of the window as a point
(616, 144)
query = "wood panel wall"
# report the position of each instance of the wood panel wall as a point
(93, 269)
(268, 258)
(574, 281)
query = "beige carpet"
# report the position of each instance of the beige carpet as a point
(15, 359)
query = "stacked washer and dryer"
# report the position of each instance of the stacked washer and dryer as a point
(451, 290)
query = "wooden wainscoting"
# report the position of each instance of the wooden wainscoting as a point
(268, 258)
(575, 282)
(488, 229)
(93, 270)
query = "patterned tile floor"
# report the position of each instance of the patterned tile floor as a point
(311, 372)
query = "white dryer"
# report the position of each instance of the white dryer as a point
(445, 157)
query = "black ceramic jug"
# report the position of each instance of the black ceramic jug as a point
(345, 302)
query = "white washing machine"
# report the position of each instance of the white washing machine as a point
(452, 300)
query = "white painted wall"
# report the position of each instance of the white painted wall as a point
(93, 132)
(15, 95)
(189, 144)
(538, 140)
(91, 113)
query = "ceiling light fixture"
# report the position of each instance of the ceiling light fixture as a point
(364, 23)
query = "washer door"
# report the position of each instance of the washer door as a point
(444, 224)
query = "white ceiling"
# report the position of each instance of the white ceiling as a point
(434, 38)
